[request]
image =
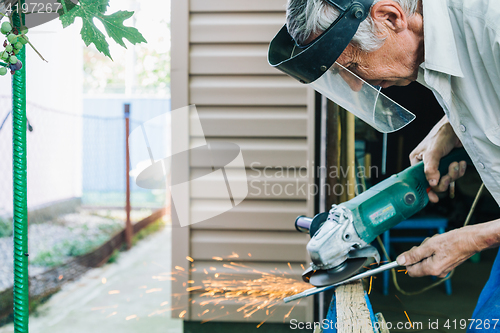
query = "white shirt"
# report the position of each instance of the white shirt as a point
(462, 68)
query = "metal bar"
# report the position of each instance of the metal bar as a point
(384, 153)
(322, 180)
(20, 187)
(351, 155)
(314, 291)
(128, 224)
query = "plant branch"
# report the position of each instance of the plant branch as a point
(41, 57)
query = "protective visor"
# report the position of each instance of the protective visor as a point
(315, 64)
(362, 99)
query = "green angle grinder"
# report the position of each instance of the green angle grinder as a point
(340, 239)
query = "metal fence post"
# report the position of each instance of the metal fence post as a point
(20, 189)
(128, 224)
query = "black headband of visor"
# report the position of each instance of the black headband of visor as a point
(310, 62)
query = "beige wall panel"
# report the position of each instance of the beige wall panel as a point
(249, 273)
(250, 215)
(180, 98)
(263, 246)
(248, 59)
(246, 90)
(251, 121)
(259, 153)
(236, 5)
(262, 184)
(220, 65)
(235, 27)
(311, 124)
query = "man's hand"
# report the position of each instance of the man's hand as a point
(438, 143)
(441, 253)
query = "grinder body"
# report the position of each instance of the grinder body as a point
(340, 239)
(388, 203)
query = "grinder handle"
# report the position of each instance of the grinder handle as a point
(456, 155)
(417, 170)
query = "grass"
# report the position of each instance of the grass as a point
(114, 256)
(150, 229)
(83, 243)
(86, 242)
(49, 258)
(5, 227)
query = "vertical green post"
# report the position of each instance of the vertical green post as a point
(21, 286)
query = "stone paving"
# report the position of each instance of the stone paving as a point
(126, 296)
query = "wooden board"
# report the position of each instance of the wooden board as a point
(353, 315)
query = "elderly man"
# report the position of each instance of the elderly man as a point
(453, 48)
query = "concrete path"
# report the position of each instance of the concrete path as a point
(131, 295)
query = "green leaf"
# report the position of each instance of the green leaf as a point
(103, 5)
(67, 12)
(90, 34)
(116, 30)
(87, 10)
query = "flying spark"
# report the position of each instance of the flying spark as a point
(259, 295)
(153, 290)
(409, 319)
(255, 295)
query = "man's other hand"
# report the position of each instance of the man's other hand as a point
(439, 254)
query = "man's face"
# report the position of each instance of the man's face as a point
(397, 61)
(391, 65)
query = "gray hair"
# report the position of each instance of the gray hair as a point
(307, 17)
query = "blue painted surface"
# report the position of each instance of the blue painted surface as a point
(430, 222)
(331, 317)
(372, 316)
(103, 169)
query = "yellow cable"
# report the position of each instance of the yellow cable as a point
(473, 207)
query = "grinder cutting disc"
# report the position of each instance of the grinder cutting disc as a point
(321, 278)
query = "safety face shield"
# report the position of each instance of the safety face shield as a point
(314, 64)
(362, 99)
